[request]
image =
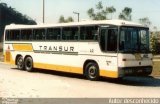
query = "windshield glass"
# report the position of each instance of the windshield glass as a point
(134, 39)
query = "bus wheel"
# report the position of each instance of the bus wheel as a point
(20, 63)
(29, 64)
(92, 71)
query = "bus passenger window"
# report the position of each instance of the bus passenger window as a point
(76, 35)
(7, 35)
(26, 34)
(49, 34)
(53, 34)
(39, 34)
(70, 33)
(57, 33)
(88, 32)
(14, 35)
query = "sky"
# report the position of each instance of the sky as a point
(55, 8)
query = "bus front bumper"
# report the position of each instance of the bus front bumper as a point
(135, 71)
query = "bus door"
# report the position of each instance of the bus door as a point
(108, 44)
(108, 39)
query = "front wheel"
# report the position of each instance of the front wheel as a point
(92, 71)
(29, 64)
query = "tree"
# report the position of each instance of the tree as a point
(91, 13)
(63, 20)
(70, 19)
(99, 6)
(126, 14)
(153, 43)
(111, 10)
(9, 15)
(101, 13)
(145, 21)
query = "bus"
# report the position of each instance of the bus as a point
(108, 48)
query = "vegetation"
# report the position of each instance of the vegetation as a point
(1, 46)
(1, 52)
(156, 68)
(101, 13)
(9, 15)
(154, 45)
(145, 21)
(126, 14)
(63, 20)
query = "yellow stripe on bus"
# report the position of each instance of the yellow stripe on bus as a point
(59, 68)
(8, 59)
(22, 47)
(106, 73)
(78, 70)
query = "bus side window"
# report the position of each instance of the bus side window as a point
(75, 33)
(39, 34)
(65, 33)
(26, 34)
(95, 34)
(53, 34)
(70, 33)
(88, 33)
(57, 33)
(49, 34)
(7, 35)
(83, 33)
(14, 35)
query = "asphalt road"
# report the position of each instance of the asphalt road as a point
(50, 84)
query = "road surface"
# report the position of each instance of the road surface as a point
(50, 84)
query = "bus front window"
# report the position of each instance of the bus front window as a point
(134, 39)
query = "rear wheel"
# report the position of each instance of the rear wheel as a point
(29, 64)
(20, 63)
(92, 71)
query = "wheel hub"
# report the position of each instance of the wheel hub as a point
(92, 72)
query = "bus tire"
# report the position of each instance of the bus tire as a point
(28, 64)
(20, 63)
(92, 71)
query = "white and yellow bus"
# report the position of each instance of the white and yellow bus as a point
(109, 48)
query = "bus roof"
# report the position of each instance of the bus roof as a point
(100, 22)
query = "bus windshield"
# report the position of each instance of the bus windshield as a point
(134, 39)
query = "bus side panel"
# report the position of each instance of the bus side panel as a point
(74, 61)
(108, 67)
(8, 53)
(66, 59)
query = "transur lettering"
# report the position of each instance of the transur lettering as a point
(57, 48)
